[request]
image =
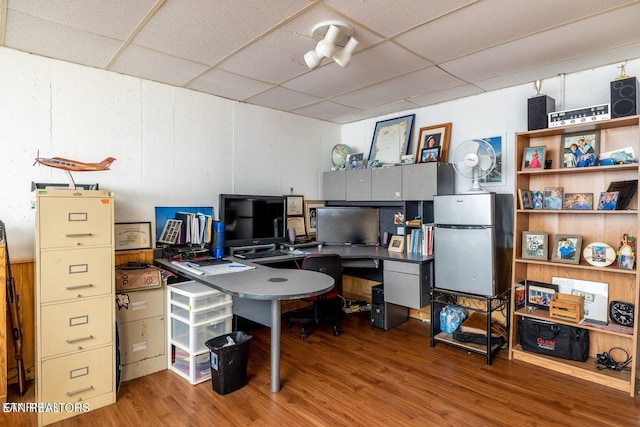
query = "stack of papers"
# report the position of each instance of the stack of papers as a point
(211, 270)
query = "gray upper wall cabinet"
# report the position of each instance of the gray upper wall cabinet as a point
(419, 181)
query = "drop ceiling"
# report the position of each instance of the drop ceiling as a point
(412, 53)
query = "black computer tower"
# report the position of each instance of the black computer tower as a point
(385, 315)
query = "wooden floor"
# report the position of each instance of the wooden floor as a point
(365, 376)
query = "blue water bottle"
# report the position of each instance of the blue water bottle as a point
(217, 242)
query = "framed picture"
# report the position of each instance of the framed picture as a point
(567, 248)
(497, 176)
(391, 140)
(535, 245)
(536, 199)
(132, 235)
(539, 294)
(524, 199)
(626, 190)
(297, 223)
(396, 244)
(311, 215)
(434, 136)
(354, 161)
(430, 155)
(295, 205)
(608, 200)
(579, 150)
(622, 156)
(578, 201)
(552, 198)
(533, 158)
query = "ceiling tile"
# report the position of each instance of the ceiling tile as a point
(325, 110)
(52, 40)
(282, 99)
(228, 85)
(151, 65)
(419, 82)
(206, 31)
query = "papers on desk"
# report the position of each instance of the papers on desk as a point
(211, 270)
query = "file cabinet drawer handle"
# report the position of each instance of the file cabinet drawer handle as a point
(75, 340)
(74, 287)
(73, 393)
(78, 235)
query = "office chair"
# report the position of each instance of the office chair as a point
(326, 308)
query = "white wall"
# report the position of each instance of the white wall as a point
(179, 147)
(501, 112)
(173, 146)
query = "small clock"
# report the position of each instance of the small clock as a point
(621, 313)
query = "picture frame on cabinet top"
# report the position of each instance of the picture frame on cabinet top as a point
(434, 136)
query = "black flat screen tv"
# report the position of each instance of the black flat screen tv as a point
(347, 225)
(251, 220)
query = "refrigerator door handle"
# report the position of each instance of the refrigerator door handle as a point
(464, 227)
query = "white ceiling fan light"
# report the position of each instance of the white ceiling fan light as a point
(343, 57)
(327, 46)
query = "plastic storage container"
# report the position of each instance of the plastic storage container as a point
(229, 361)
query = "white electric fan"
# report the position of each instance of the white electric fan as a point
(474, 159)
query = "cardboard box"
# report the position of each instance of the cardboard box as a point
(137, 279)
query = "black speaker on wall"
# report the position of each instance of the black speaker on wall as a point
(538, 108)
(624, 97)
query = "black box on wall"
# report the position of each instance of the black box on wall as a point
(624, 97)
(538, 109)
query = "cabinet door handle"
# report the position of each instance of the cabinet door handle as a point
(74, 287)
(75, 340)
(79, 235)
(73, 393)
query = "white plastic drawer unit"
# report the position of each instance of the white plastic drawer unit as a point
(193, 337)
(195, 296)
(76, 222)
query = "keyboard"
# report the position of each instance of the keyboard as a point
(261, 254)
(204, 261)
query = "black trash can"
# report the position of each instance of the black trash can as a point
(229, 354)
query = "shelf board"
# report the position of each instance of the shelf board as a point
(586, 127)
(592, 169)
(619, 380)
(476, 348)
(581, 266)
(577, 212)
(612, 329)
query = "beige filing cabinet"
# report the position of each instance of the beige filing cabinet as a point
(142, 328)
(74, 302)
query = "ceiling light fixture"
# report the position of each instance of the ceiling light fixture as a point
(329, 35)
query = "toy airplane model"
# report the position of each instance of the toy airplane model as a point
(69, 165)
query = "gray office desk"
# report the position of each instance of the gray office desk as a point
(257, 294)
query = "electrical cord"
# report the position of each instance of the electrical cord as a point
(608, 362)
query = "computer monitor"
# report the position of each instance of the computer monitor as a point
(347, 225)
(251, 220)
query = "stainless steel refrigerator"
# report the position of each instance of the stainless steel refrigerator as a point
(473, 241)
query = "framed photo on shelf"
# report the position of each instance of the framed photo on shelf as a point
(539, 294)
(430, 155)
(396, 244)
(391, 140)
(626, 190)
(578, 201)
(497, 176)
(524, 198)
(579, 150)
(535, 245)
(434, 136)
(553, 198)
(536, 199)
(295, 204)
(567, 248)
(533, 158)
(608, 200)
(354, 161)
(311, 215)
